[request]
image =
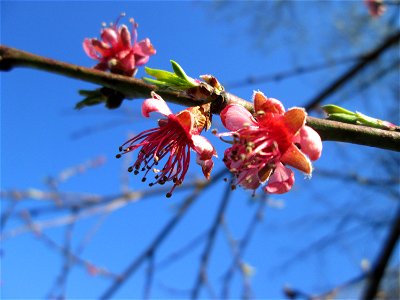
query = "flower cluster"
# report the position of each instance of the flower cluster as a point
(376, 8)
(265, 143)
(118, 50)
(262, 144)
(173, 139)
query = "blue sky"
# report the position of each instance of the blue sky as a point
(41, 135)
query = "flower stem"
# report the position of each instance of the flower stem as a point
(136, 88)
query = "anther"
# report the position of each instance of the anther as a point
(260, 113)
(118, 156)
(143, 179)
(130, 169)
(168, 195)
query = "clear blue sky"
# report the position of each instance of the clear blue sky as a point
(40, 137)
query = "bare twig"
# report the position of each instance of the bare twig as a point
(202, 275)
(290, 73)
(160, 237)
(376, 274)
(66, 252)
(149, 277)
(353, 71)
(241, 247)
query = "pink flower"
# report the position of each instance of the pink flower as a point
(264, 144)
(118, 50)
(376, 8)
(174, 138)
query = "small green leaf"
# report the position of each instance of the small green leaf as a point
(346, 118)
(160, 74)
(155, 81)
(178, 69)
(181, 73)
(335, 109)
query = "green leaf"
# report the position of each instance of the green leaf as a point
(346, 118)
(335, 109)
(160, 74)
(181, 73)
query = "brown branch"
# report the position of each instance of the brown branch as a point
(131, 87)
(355, 134)
(136, 88)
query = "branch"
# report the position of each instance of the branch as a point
(378, 270)
(355, 134)
(137, 88)
(205, 257)
(349, 74)
(131, 87)
(150, 251)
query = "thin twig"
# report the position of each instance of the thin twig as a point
(290, 73)
(376, 274)
(76, 259)
(353, 71)
(258, 215)
(160, 237)
(202, 274)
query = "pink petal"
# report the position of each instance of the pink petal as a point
(128, 63)
(141, 60)
(155, 104)
(235, 117)
(89, 49)
(125, 36)
(206, 166)
(295, 158)
(110, 36)
(203, 147)
(144, 48)
(249, 179)
(104, 49)
(267, 105)
(310, 142)
(281, 181)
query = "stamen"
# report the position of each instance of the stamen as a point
(260, 113)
